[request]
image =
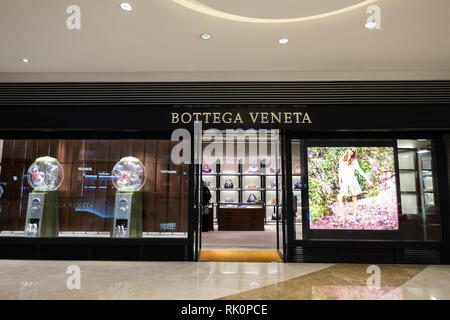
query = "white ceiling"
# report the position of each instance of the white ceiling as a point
(159, 40)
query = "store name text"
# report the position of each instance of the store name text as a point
(230, 117)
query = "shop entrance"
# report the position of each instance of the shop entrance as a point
(239, 185)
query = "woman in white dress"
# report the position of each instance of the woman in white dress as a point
(348, 183)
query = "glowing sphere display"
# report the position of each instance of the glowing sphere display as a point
(129, 174)
(45, 174)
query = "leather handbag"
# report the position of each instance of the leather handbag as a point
(206, 169)
(274, 170)
(297, 185)
(274, 201)
(251, 186)
(274, 214)
(252, 198)
(229, 200)
(228, 184)
(273, 184)
(253, 169)
(297, 169)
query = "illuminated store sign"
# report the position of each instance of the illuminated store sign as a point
(236, 117)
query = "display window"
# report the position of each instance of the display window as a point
(92, 188)
(365, 189)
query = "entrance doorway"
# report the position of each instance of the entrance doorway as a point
(241, 174)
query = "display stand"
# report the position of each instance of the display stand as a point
(42, 211)
(127, 221)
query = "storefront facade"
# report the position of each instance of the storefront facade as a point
(400, 131)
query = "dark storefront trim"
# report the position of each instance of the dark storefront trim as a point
(384, 110)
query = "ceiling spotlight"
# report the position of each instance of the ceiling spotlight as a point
(206, 36)
(126, 6)
(283, 41)
(25, 60)
(371, 25)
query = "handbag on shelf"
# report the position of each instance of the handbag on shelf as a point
(297, 169)
(274, 214)
(274, 170)
(274, 201)
(206, 169)
(297, 185)
(229, 200)
(252, 198)
(253, 169)
(273, 184)
(251, 186)
(228, 184)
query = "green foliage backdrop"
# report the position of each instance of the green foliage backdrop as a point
(323, 173)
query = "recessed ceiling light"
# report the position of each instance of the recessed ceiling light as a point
(283, 41)
(206, 36)
(26, 60)
(371, 25)
(126, 6)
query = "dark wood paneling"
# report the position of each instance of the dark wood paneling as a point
(19, 150)
(149, 189)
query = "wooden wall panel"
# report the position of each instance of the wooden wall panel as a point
(8, 151)
(126, 149)
(19, 150)
(31, 151)
(43, 148)
(65, 151)
(162, 183)
(149, 199)
(75, 196)
(5, 175)
(174, 191)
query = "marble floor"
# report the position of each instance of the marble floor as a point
(21, 279)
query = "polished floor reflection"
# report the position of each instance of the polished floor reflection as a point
(219, 280)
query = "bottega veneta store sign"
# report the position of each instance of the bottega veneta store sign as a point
(251, 117)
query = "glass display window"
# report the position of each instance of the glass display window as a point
(154, 203)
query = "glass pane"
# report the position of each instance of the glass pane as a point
(406, 160)
(421, 212)
(88, 201)
(408, 181)
(297, 188)
(409, 204)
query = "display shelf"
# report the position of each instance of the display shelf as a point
(240, 179)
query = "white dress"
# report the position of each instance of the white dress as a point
(347, 179)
